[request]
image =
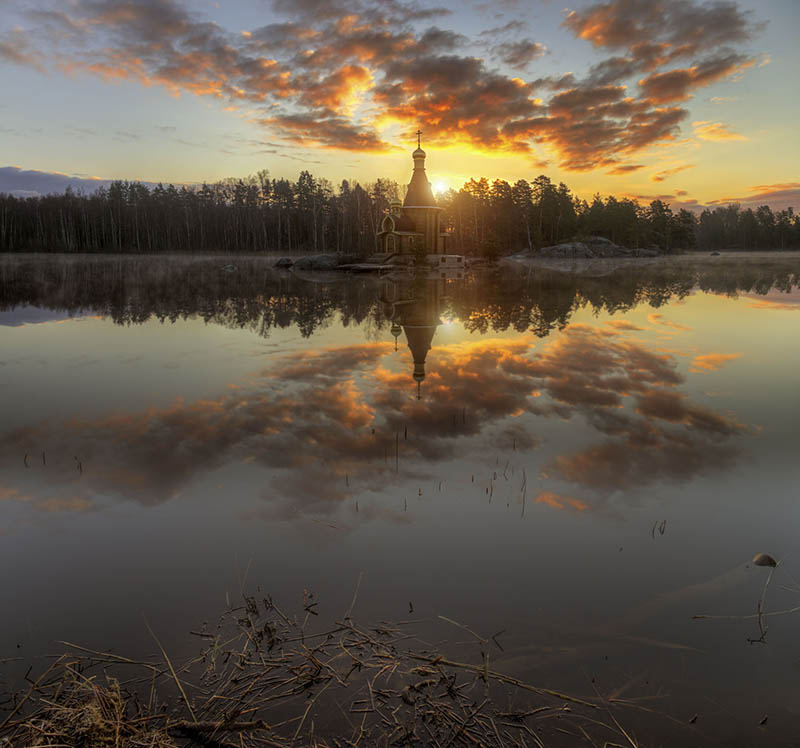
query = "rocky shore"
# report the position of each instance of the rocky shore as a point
(586, 248)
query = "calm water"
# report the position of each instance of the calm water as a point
(582, 461)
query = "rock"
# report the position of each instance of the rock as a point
(323, 262)
(715, 254)
(284, 262)
(228, 268)
(316, 262)
(764, 559)
(566, 249)
(647, 252)
(590, 247)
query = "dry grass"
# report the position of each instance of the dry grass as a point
(265, 679)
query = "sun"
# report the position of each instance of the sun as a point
(439, 187)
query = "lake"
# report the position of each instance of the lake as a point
(581, 460)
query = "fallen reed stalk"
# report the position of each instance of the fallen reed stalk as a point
(263, 679)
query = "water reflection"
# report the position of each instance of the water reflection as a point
(331, 422)
(414, 306)
(513, 483)
(131, 290)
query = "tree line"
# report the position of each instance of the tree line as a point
(261, 214)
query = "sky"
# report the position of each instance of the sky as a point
(685, 100)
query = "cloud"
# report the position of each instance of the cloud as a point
(334, 132)
(677, 85)
(519, 55)
(340, 75)
(625, 169)
(16, 48)
(715, 131)
(676, 201)
(662, 175)
(684, 27)
(778, 196)
(32, 183)
(712, 361)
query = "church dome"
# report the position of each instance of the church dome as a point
(419, 193)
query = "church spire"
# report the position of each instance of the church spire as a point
(419, 189)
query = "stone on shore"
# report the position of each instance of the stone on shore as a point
(323, 262)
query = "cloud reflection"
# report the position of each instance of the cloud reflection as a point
(329, 424)
(712, 361)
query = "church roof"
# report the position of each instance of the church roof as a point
(419, 189)
(403, 223)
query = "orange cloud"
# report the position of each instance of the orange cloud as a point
(662, 175)
(678, 84)
(337, 77)
(665, 29)
(712, 361)
(625, 169)
(779, 196)
(771, 188)
(715, 131)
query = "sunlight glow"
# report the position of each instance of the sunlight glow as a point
(439, 187)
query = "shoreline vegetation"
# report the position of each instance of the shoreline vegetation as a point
(264, 678)
(263, 215)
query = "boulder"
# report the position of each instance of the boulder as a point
(323, 262)
(284, 262)
(589, 247)
(316, 262)
(647, 252)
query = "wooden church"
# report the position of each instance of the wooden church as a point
(416, 223)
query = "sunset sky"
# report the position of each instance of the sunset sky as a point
(691, 101)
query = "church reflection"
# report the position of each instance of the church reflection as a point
(414, 305)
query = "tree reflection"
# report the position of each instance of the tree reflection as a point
(254, 296)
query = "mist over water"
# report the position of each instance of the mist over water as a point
(581, 460)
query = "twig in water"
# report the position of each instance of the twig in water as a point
(355, 596)
(172, 670)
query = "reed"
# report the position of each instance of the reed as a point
(264, 678)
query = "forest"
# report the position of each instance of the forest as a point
(261, 214)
